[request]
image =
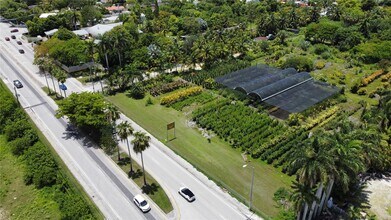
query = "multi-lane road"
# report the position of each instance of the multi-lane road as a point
(108, 187)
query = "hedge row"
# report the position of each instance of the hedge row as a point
(202, 98)
(168, 87)
(180, 95)
(370, 78)
(236, 123)
(41, 167)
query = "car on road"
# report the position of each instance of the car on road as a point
(21, 51)
(13, 37)
(14, 30)
(7, 38)
(141, 203)
(19, 42)
(187, 194)
(18, 84)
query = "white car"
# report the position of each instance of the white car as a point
(141, 203)
(187, 194)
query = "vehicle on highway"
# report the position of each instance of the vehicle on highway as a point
(187, 194)
(21, 51)
(19, 42)
(13, 37)
(141, 203)
(7, 38)
(14, 30)
(18, 84)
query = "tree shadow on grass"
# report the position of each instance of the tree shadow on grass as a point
(150, 189)
(135, 174)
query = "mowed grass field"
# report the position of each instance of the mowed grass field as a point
(18, 201)
(217, 159)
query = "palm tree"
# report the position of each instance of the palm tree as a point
(302, 196)
(42, 68)
(314, 163)
(140, 144)
(49, 66)
(124, 131)
(112, 114)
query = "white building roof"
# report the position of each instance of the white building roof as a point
(45, 15)
(51, 32)
(100, 29)
(81, 32)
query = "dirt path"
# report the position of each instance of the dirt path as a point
(380, 197)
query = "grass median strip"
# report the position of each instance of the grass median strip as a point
(216, 159)
(153, 189)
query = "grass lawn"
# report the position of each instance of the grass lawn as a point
(153, 190)
(217, 159)
(18, 201)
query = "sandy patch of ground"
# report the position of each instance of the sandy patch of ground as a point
(380, 197)
(3, 214)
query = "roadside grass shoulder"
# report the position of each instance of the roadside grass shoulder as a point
(216, 159)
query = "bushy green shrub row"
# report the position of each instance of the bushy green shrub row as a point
(238, 124)
(42, 169)
(168, 87)
(199, 99)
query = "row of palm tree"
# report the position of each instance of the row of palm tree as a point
(47, 67)
(330, 158)
(124, 130)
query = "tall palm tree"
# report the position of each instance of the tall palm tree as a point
(112, 114)
(42, 68)
(314, 163)
(124, 131)
(140, 144)
(302, 196)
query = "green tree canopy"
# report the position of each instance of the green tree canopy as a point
(84, 109)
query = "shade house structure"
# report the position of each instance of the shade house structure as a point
(286, 89)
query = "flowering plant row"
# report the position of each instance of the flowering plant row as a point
(370, 78)
(180, 95)
(168, 87)
(386, 77)
(312, 122)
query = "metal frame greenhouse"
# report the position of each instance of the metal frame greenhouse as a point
(284, 88)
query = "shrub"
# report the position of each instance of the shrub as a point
(148, 101)
(371, 78)
(320, 64)
(300, 63)
(19, 145)
(168, 87)
(41, 167)
(386, 77)
(179, 95)
(136, 91)
(16, 129)
(320, 48)
(362, 92)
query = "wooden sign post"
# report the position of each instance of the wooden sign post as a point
(169, 127)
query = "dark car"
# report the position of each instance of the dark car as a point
(21, 51)
(19, 42)
(14, 30)
(13, 37)
(18, 84)
(187, 194)
(7, 38)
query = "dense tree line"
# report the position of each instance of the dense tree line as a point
(42, 169)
